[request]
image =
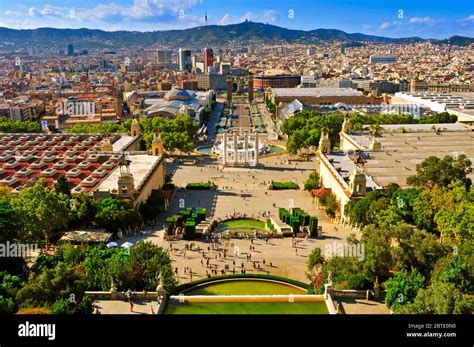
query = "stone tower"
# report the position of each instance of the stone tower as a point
(346, 125)
(126, 185)
(250, 88)
(324, 142)
(135, 128)
(157, 145)
(357, 182)
(229, 88)
(106, 145)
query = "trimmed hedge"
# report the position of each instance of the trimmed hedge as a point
(297, 217)
(284, 185)
(199, 186)
(185, 286)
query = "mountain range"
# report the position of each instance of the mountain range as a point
(212, 34)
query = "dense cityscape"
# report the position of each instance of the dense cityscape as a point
(240, 168)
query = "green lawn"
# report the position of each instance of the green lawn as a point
(246, 287)
(175, 307)
(243, 223)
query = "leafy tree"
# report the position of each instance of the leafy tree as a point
(403, 287)
(62, 185)
(51, 285)
(314, 262)
(140, 270)
(377, 257)
(111, 212)
(7, 305)
(313, 181)
(341, 268)
(82, 211)
(435, 171)
(42, 210)
(438, 298)
(359, 120)
(304, 129)
(413, 248)
(8, 125)
(457, 268)
(361, 211)
(177, 133)
(454, 217)
(9, 221)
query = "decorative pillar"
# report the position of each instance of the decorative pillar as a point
(257, 147)
(236, 148)
(230, 87)
(250, 89)
(224, 158)
(246, 148)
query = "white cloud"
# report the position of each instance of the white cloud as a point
(385, 25)
(225, 20)
(425, 20)
(11, 13)
(166, 10)
(270, 16)
(470, 18)
(47, 11)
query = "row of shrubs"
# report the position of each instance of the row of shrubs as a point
(297, 218)
(283, 185)
(199, 185)
(186, 286)
(187, 219)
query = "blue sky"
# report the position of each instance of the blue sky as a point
(401, 18)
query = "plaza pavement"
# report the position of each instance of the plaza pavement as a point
(245, 191)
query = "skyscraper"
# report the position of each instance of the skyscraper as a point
(208, 58)
(163, 56)
(185, 60)
(70, 49)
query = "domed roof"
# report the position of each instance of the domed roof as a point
(177, 94)
(341, 105)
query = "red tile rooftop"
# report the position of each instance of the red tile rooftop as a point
(26, 157)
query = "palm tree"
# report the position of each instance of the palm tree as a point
(375, 130)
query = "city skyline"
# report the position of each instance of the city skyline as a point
(425, 19)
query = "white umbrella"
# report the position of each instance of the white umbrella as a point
(127, 245)
(112, 244)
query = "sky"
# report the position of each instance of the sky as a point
(392, 18)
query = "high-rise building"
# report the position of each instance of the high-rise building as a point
(211, 81)
(70, 49)
(164, 56)
(225, 69)
(208, 59)
(185, 60)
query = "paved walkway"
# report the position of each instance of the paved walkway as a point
(123, 307)
(245, 191)
(362, 306)
(211, 127)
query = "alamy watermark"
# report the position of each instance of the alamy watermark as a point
(75, 107)
(412, 109)
(340, 249)
(8, 249)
